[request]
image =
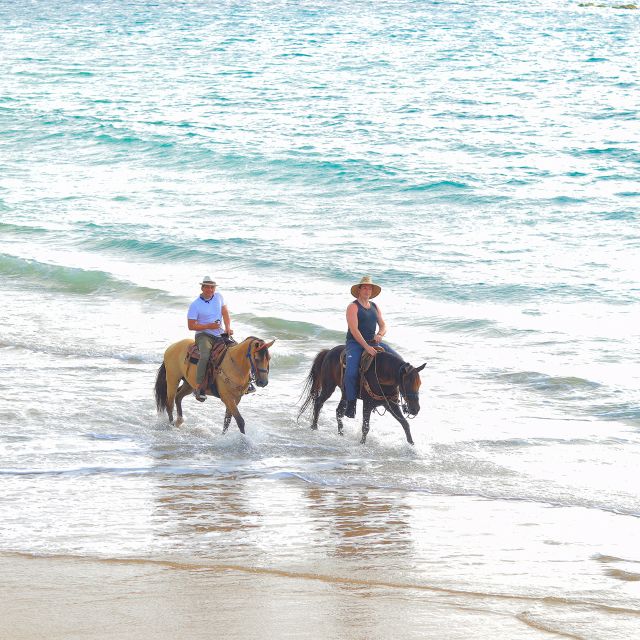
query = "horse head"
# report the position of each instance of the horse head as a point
(409, 383)
(259, 358)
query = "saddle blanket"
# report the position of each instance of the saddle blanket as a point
(216, 357)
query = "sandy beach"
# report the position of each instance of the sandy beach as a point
(66, 597)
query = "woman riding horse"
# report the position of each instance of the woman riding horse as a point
(362, 318)
(387, 378)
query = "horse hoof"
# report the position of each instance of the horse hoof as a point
(179, 422)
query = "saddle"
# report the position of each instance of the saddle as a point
(218, 352)
(365, 362)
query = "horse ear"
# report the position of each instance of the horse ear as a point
(266, 345)
(421, 367)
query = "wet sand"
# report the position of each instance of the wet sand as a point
(65, 597)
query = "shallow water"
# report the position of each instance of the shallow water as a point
(482, 165)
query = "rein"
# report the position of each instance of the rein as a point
(229, 381)
(383, 397)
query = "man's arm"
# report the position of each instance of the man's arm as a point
(194, 325)
(227, 320)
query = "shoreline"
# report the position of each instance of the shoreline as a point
(62, 597)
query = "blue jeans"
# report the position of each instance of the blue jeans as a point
(354, 352)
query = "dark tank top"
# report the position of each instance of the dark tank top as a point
(367, 322)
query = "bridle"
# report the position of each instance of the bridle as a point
(255, 369)
(404, 371)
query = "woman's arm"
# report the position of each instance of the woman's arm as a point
(382, 326)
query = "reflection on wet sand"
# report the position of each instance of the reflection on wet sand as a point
(362, 521)
(200, 509)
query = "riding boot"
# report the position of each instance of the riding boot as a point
(200, 394)
(350, 411)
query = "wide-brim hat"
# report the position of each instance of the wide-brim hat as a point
(208, 281)
(355, 289)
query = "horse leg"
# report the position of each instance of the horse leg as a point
(342, 406)
(173, 380)
(232, 410)
(367, 408)
(184, 389)
(318, 403)
(397, 414)
(239, 420)
(227, 421)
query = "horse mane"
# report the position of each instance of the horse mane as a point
(388, 363)
(252, 338)
(246, 340)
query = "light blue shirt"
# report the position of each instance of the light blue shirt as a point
(206, 311)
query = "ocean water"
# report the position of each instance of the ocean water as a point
(479, 159)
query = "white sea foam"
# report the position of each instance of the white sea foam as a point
(480, 164)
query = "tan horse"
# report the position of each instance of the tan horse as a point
(249, 357)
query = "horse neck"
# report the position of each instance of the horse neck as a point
(238, 356)
(388, 368)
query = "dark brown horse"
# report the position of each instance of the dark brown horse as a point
(388, 379)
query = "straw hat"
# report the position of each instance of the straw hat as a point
(207, 281)
(355, 289)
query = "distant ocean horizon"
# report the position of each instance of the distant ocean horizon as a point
(479, 160)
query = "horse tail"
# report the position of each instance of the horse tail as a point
(161, 389)
(313, 383)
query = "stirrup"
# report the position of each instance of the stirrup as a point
(200, 395)
(250, 389)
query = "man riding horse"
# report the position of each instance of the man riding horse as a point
(363, 318)
(205, 317)
(232, 371)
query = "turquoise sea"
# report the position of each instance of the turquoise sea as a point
(480, 160)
